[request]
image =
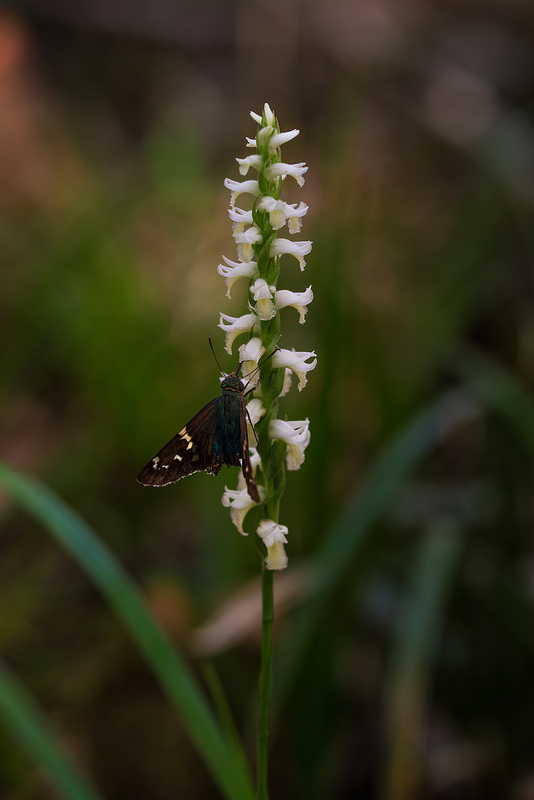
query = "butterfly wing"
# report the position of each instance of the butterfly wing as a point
(191, 450)
(246, 466)
(215, 436)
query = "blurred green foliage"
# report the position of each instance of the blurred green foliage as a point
(405, 636)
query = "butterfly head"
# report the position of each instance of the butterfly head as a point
(232, 383)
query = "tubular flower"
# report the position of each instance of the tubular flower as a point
(297, 437)
(241, 187)
(280, 213)
(281, 170)
(233, 270)
(297, 362)
(240, 503)
(240, 218)
(298, 300)
(274, 539)
(263, 295)
(255, 410)
(265, 367)
(297, 249)
(249, 356)
(279, 139)
(245, 240)
(250, 161)
(233, 326)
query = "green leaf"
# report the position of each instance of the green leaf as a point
(419, 626)
(27, 724)
(123, 596)
(344, 542)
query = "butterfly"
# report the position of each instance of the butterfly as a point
(215, 436)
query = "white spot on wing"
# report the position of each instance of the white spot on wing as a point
(184, 434)
(177, 458)
(155, 462)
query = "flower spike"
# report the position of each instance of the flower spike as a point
(265, 368)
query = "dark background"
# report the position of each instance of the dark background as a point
(118, 123)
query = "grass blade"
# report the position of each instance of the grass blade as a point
(418, 630)
(346, 539)
(123, 596)
(27, 724)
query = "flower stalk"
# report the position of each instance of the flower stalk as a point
(280, 443)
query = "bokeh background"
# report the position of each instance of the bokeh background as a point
(118, 123)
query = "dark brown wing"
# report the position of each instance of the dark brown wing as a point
(191, 450)
(245, 457)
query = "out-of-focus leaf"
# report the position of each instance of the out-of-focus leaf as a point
(78, 538)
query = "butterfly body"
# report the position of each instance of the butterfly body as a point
(215, 436)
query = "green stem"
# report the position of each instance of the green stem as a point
(265, 683)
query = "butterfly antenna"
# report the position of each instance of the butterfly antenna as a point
(215, 357)
(260, 363)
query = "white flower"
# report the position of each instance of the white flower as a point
(276, 210)
(288, 380)
(249, 161)
(234, 326)
(239, 502)
(298, 300)
(263, 295)
(297, 436)
(274, 538)
(279, 139)
(235, 270)
(256, 410)
(280, 212)
(294, 217)
(269, 116)
(241, 187)
(297, 249)
(240, 218)
(297, 362)
(249, 355)
(244, 241)
(280, 170)
(264, 134)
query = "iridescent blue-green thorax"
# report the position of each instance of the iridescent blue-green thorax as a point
(227, 443)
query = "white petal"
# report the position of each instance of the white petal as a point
(288, 380)
(297, 362)
(296, 435)
(239, 502)
(234, 271)
(239, 217)
(264, 134)
(255, 409)
(281, 138)
(281, 170)
(249, 355)
(241, 187)
(234, 326)
(252, 350)
(274, 538)
(250, 161)
(298, 249)
(268, 114)
(263, 295)
(298, 300)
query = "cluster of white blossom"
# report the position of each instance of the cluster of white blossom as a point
(265, 301)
